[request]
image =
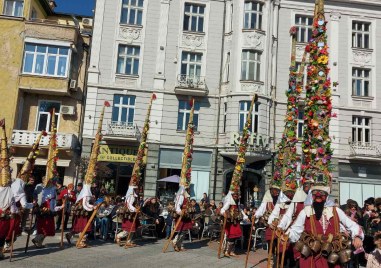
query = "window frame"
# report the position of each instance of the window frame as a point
(189, 15)
(356, 126)
(248, 14)
(120, 106)
(125, 58)
(245, 112)
(129, 8)
(307, 28)
(246, 63)
(186, 113)
(46, 56)
(363, 80)
(57, 113)
(356, 33)
(13, 8)
(191, 65)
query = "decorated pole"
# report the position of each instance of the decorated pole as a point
(240, 163)
(5, 169)
(317, 151)
(91, 171)
(139, 162)
(51, 164)
(287, 159)
(186, 168)
(28, 166)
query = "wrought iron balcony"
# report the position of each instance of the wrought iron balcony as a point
(364, 149)
(27, 138)
(191, 85)
(122, 130)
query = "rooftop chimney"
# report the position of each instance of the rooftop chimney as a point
(52, 4)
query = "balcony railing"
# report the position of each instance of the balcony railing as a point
(123, 130)
(27, 138)
(186, 81)
(364, 149)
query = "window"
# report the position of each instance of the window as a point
(46, 60)
(360, 34)
(123, 109)
(14, 8)
(360, 82)
(44, 119)
(191, 64)
(225, 115)
(244, 107)
(300, 122)
(251, 65)
(253, 15)
(132, 12)
(360, 129)
(303, 26)
(184, 113)
(128, 60)
(194, 17)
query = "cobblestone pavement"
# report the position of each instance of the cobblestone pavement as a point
(148, 254)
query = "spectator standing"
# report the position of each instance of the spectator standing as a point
(79, 188)
(28, 189)
(70, 196)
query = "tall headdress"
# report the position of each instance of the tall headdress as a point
(286, 162)
(186, 168)
(91, 172)
(51, 164)
(240, 163)
(5, 169)
(28, 166)
(317, 152)
(139, 162)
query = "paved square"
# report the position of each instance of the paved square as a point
(148, 254)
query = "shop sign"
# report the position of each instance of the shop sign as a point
(114, 153)
(255, 140)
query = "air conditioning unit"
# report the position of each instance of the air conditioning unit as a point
(67, 110)
(87, 22)
(73, 85)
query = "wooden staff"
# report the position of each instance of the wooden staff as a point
(63, 221)
(284, 250)
(30, 230)
(129, 233)
(88, 224)
(277, 251)
(172, 233)
(249, 242)
(271, 249)
(12, 241)
(222, 236)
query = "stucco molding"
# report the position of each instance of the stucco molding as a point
(255, 87)
(362, 57)
(130, 34)
(193, 41)
(254, 40)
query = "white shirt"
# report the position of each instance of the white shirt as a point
(179, 203)
(297, 228)
(130, 203)
(261, 210)
(286, 220)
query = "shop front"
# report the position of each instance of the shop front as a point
(116, 164)
(359, 181)
(253, 181)
(170, 161)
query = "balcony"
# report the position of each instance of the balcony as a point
(191, 85)
(26, 138)
(122, 130)
(364, 150)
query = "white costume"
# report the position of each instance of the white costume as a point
(263, 207)
(281, 204)
(86, 196)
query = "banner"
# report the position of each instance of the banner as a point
(115, 153)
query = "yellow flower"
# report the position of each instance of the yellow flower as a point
(323, 59)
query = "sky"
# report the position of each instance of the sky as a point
(77, 7)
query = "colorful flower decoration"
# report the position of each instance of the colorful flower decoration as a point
(139, 165)
(317, 151)
(186, 168)
(240, 163)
